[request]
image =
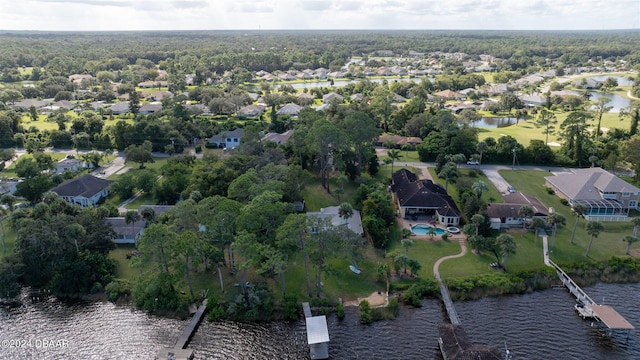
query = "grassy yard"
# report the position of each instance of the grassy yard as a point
(489, 196)
(608, 243)
(9, 239)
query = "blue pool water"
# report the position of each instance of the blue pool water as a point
(423, 229)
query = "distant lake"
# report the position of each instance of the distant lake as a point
(497, 122)
(622, 81)
(617, 102)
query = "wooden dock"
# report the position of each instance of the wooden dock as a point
(586, 307)
(179, 351)
(317, 334)
(448, 304)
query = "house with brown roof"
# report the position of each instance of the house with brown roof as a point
(86, 190)
(505, 215)
(398, 141)
(605, 196)
(423, 199)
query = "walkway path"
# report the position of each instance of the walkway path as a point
(446, 298)
(463, 252)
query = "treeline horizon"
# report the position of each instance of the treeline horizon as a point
(288, 48)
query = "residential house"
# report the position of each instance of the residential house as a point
(251, 111)
(505, 215)
(86, 190)
(423, 199)
(159, 95)
(120, 108)
(8, 186)
(126, 233)
(72, 165)
(290, 109)
(606, 196)
(227, 139)
(278, 138)
(153, 84)
(448, 94)
(28, 103)
(398, 141)
(354, 223)
(78, 78)
(148, 109)
(330, 96)
(533, 100)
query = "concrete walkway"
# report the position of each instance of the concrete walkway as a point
(463, 252)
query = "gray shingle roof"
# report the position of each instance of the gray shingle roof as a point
(586, 184)
(86, 186)
(120, 226)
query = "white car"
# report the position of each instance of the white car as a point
(473, 162)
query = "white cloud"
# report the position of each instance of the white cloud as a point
(317, 14)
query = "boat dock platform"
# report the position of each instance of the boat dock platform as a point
(317, 333)
(179, 351)
(586, 307)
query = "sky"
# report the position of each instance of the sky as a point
(106, 15)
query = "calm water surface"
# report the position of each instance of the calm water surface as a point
(542, 325)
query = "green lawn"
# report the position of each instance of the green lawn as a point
(9, 239)
(489, 196)
(608, 243)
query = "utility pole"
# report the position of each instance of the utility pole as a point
(513, 165)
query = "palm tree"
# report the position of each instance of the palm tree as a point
(394, 155)
(593, 228)
(148, 214)
(449, 172)
(525, 211)
(554, 219)
(342, 180)
(482, 147)
(477, 220)
(630, 240)
(345, 211)
(479, 187)
(432, 232)
(507, 246)
(537, 224)
(407, 243)
(130, 217)
(578, 210)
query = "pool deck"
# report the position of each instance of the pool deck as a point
(406, 224)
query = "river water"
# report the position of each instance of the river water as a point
(541, 325)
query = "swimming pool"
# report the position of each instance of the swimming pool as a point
(423, 229)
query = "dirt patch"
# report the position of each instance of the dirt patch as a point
(376, 299)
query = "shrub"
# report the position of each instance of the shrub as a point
(117, 289)
(366, 314)
(564, 202)
(340, 311)
(413, 296)
(291, 307)
(216, 310)
(549, 190)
